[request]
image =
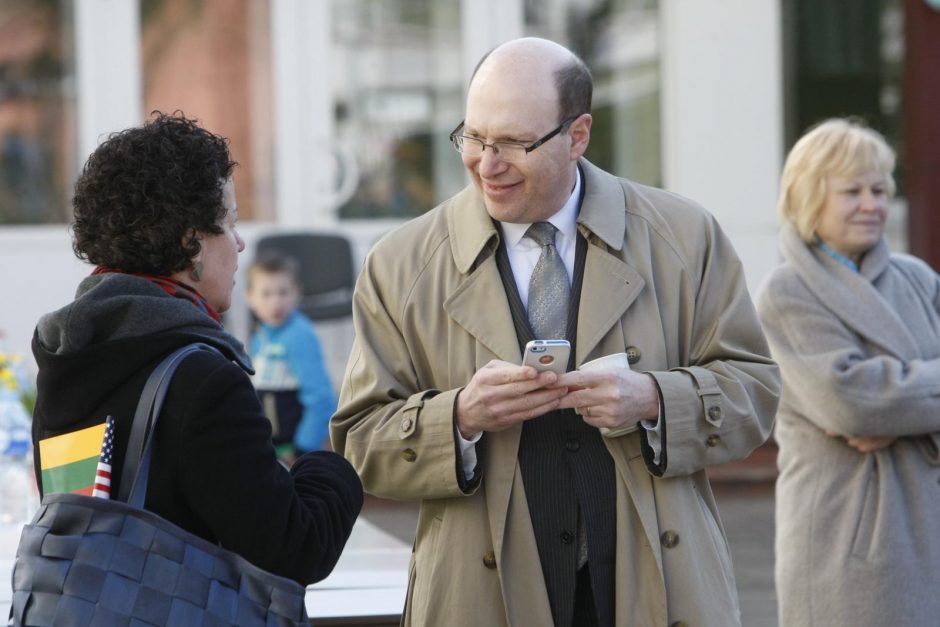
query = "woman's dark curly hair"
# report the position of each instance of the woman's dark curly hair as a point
(146, 188)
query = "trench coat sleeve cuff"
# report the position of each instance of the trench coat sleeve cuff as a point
(685, 400)
(654, 453)
(469, 455)
(413, 455)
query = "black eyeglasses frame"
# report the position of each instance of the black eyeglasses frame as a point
(561, 127)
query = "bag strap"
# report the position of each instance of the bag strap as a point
(136, 470)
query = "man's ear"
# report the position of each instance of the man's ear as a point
(580, 133)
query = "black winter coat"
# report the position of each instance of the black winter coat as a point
(214, 470)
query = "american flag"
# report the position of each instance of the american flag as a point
(103, 475)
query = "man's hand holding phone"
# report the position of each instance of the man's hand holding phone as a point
(502, 394)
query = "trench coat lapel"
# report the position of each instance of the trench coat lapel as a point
(479, 298)
(474, 304)
(609, 288)
(610, 284)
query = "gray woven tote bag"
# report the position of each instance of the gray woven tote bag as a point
(89, 561)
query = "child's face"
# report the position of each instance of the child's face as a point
(273, 297)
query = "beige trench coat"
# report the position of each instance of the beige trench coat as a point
(430, 310)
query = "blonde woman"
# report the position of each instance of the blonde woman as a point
(856, 331)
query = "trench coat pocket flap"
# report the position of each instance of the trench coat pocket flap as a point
(708, 390)
(409, 417)
(930, 444)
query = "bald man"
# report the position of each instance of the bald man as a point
(574, 499)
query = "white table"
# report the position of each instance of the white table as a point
(367, 587)
(369, 582)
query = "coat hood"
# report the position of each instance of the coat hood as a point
(117, 325)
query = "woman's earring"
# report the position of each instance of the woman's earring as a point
(196, 273)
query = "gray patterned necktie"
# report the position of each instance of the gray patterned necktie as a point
(548, 288)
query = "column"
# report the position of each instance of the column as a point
(485, 25)
(108, 70)
(303, 113)
(722, 117)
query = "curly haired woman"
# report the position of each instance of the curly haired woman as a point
(155, 212)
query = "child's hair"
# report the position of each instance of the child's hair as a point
(274, 262)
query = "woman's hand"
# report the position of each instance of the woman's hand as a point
(871, 444)
(868, 444)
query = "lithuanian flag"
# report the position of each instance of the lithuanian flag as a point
(68, 462)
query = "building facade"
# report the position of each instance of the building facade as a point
(339, 111)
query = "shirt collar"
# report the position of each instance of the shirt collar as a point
(565, 219)
(835, 254)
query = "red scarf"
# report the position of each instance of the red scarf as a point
(174, 288)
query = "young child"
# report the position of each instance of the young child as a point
(290, 375)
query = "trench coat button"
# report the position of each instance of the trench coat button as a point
(669, 539)
(567, 537)
(489, 559)
(572, 446)
(406, 425)
(713, 440)
(409, 455)
(714, 412)
(633, 354)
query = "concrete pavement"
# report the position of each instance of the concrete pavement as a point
(747, 513)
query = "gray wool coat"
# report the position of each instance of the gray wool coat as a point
(858, 535)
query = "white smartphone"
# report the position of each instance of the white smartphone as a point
(547, 355)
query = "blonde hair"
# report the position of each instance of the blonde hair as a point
(834, 147)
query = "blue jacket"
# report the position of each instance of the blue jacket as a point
(289, 357)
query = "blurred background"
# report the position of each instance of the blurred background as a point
(338, 112)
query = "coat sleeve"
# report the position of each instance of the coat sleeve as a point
(399, 438)
(720, 404)
(834, 382)
(292, 523)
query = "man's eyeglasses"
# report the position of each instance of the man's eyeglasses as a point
(506, 151)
